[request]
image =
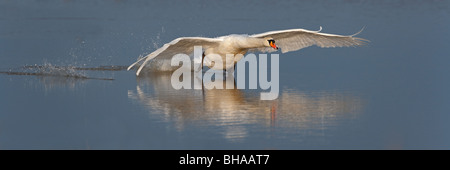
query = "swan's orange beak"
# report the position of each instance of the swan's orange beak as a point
(272, 44)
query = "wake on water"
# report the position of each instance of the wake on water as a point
(72, 72)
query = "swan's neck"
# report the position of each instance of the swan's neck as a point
(250, 42)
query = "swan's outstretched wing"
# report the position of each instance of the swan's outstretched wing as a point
(296, 39)
(183, 45)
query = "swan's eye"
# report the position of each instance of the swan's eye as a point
(271, 41)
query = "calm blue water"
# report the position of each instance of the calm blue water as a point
(63, 86)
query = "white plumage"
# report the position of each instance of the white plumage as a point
(287, 40)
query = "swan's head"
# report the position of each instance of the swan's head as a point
(271, 43)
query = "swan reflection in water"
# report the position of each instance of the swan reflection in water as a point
(235, 109)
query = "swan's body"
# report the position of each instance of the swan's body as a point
(287, 40)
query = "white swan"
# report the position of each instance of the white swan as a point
(287, 40)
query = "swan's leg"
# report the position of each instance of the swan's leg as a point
(234, 70)
(201, 69)
(203, 57)
(230, 72)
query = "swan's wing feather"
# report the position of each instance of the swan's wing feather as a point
(296, 39)
(183, 45)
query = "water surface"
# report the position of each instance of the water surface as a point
(64, 84)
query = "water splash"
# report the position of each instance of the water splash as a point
(49, 69)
